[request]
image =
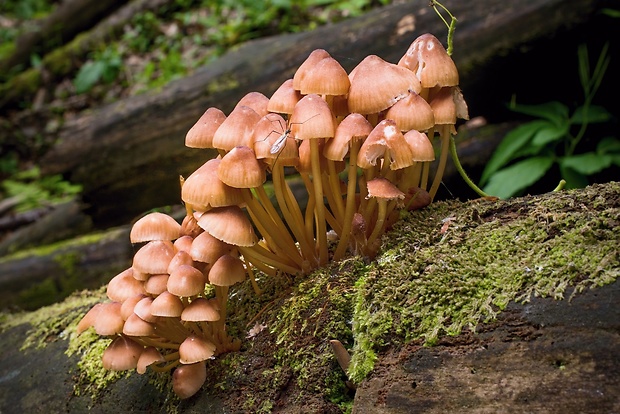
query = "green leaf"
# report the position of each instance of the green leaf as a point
(554, 111)
(549, 133)
(510, 180)
(88, 75)
(587, 163)
(595, 114)
(507, 150)
(608, 145)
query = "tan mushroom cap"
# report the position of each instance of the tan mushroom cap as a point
(284, 99)
(382, 188)
(201, 134)
(420, 145)
(188, 379)
(315, 57)
(156, 284)
(186, 281)
(230, 225)
(108, 320)
(266, 132)
(89, 318)
(240, 169)
(430, 62)
(236, 129)
(123, 286)
(167, 305)
(227, 271)
(136, 326)
(412, 112)
(327, 77)
(122, 354)
(312, 118)
(149, 356)
(448, 104)
(304, 163)
(184, 243)
(180, 258)
(153, 257)
(203, 188)
(195, 349)
(208, 249)
(376, 85)
(388, 142)
(255, 100)
(143, 310)
(353, 127)
(129, 304)
(200, 310)
(155, 226)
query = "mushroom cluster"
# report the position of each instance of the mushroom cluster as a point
(361, 144)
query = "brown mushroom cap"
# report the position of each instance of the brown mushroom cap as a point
(153, 257)
(255, 100)
(167, 305)
(155, 226)
(123, 286)
(312, 118)
(186, 281)
(208, 249)
(420, 145)
(203, 188)
(109, 320)
(382, 188)
(149, 356)
(201, 134)
(122, 354)
(411, 112)
(136, 326)
(187, 379)
(227, 271)
(385, 140)
(376, 85)
(229, 224)
(180, 258)
(129, 304)
(236, 129)
(195, 349)
(156, 284)
(284, 99)
(240, 169)
(353, 127)
(143, 310)
(315, 57)
(428, 59)
(201, 309)
(89, 318)
(326, 77)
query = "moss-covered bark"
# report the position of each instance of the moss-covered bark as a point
(448, 268)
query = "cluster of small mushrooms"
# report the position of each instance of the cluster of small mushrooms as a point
(361, 145)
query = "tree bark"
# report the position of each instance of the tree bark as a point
(128, 155)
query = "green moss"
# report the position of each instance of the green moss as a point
(451, 267)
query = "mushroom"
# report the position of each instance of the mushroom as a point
(122, 354)
(187, 379)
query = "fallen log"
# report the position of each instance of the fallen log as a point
(128, 155)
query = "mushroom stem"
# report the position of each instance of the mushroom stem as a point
(350, 202)
(250, 272)
(257, 253)
(376, 232)
(319, 207)
(334, 190)
(444, 133)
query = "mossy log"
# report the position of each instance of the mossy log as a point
(469, 307)
(128, 155)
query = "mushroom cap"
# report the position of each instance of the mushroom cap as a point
(229, 224)
(382, 188)
(411, 112)
(430, 62)
(195, 349)
(188, 379)
(420, 145)
(167, 305)
(376, 85)
(207, 249)
(236, 129)
(227, 271)
(353, 127)
(326, 77)
(240, 169)
(122, 354)
(312, 118)
(313, 58)
(200, 135)
(181, 257)
(89, 318)
(201, 309)
(186, 281)
(284, 99)
(385, 140)
(443, 106)
(123, 286)
(108, 320)
(184, 243)
(267, 131)
(129, 304)
(155, 226)
(255, 100)
(153, 258)
(156, 284)
(203, 188)
(136, 326)
(149, 356)
(143, 310)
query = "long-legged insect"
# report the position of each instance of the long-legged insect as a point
(281, 141)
